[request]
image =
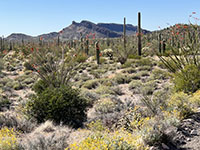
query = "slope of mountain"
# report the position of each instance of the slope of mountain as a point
(19, 37)
(85, 27)
(49, 36)
(101, 30)
(130, 29)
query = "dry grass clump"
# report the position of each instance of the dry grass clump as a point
(46, 137)
(15, 120)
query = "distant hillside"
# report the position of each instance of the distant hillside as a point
(86, 27)
(101, 30)
(130, 29)
(19, 37)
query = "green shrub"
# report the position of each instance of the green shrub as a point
(102, 60)
(28, 66)
(129, 70)
(127, 64)
(143, 68)
(159, 74)
(149, 87)
(188, 79)
(4, 103)
(181, 103)
(17, 85)
(102, 89)
(62, 104)
(105, 106)
(40, 86)
(145, 62)
(28, 80)
(91, 84)
(82, 57)
(135, 84)
(143, 73)
(122, 78)
(1, 64)
(132, 56)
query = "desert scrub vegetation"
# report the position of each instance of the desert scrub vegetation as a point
(131, 106)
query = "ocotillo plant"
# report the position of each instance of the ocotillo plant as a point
(97, 52)
(124, 35)
(139, 35)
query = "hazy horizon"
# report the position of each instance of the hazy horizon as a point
(36, 17)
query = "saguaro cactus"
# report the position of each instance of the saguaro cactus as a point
(139, 35)
(124, 35)
(164, 46)
(22, 42)
(81, 40)
(1, 43)
(10, 46)
(87, 46)
(58, 40)
(97, 52)
(159, 40)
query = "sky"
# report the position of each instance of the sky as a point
(35, 17)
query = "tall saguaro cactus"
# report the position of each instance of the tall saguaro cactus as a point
(11, 47)
(124, 35)
(58, 40)
(164, 46)
(159, 40)
(97, 52)
(139, 35)
(1, 43)
(87, 46)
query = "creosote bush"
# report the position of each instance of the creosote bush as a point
(62, 104)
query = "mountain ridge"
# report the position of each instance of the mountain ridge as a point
(74, 31)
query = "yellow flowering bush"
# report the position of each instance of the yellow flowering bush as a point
(195, 99)
(8, 140)
(180, 102)
(118, 140)
(96, 126)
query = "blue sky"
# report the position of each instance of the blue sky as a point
(34, 17)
